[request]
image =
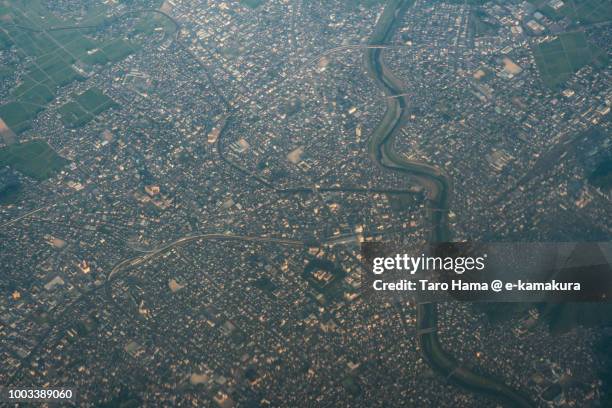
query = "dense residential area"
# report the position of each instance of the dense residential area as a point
(185, 186)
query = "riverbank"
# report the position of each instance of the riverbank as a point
(438, 187)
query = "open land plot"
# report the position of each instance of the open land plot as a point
(601, 177)
(117, 50)
(39, 94)
(73, 115)
(557, 60)
(16, 115)
(94, 101)
(579, 11)
(31, 43)
(85, 107)
(34, 159)
(9, 194)
(253, 4)
(5, 41)
(152, 24)
(480, 26)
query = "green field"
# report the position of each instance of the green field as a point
(579, 11)
(479, 24)
(55, 56)
(94, 101)
(35, 159)
(85, 107)
(17, 114)
(557, 60)
(151, 25)
(365, 3)
(73, 116)
(10, 194)
(117, 50)
(601, 177)
(252, 3)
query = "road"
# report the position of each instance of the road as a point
(14, 220)
(437, 184)
(129, 263)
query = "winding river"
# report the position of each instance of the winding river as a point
(438, 188)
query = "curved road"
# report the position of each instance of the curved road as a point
(128, 263)
(438, 187)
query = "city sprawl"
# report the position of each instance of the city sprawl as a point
(185, 184)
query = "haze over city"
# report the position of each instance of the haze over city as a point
(186, 187)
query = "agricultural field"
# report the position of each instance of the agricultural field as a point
(85, 107)
(579, 11)
(58, 52)
(253, 4)
(152, 24)
(481, 25)
(557, 60)
(9, 194)
(601, 177)
(35, 159)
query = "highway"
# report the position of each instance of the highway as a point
(437, 184)
(132, 262)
